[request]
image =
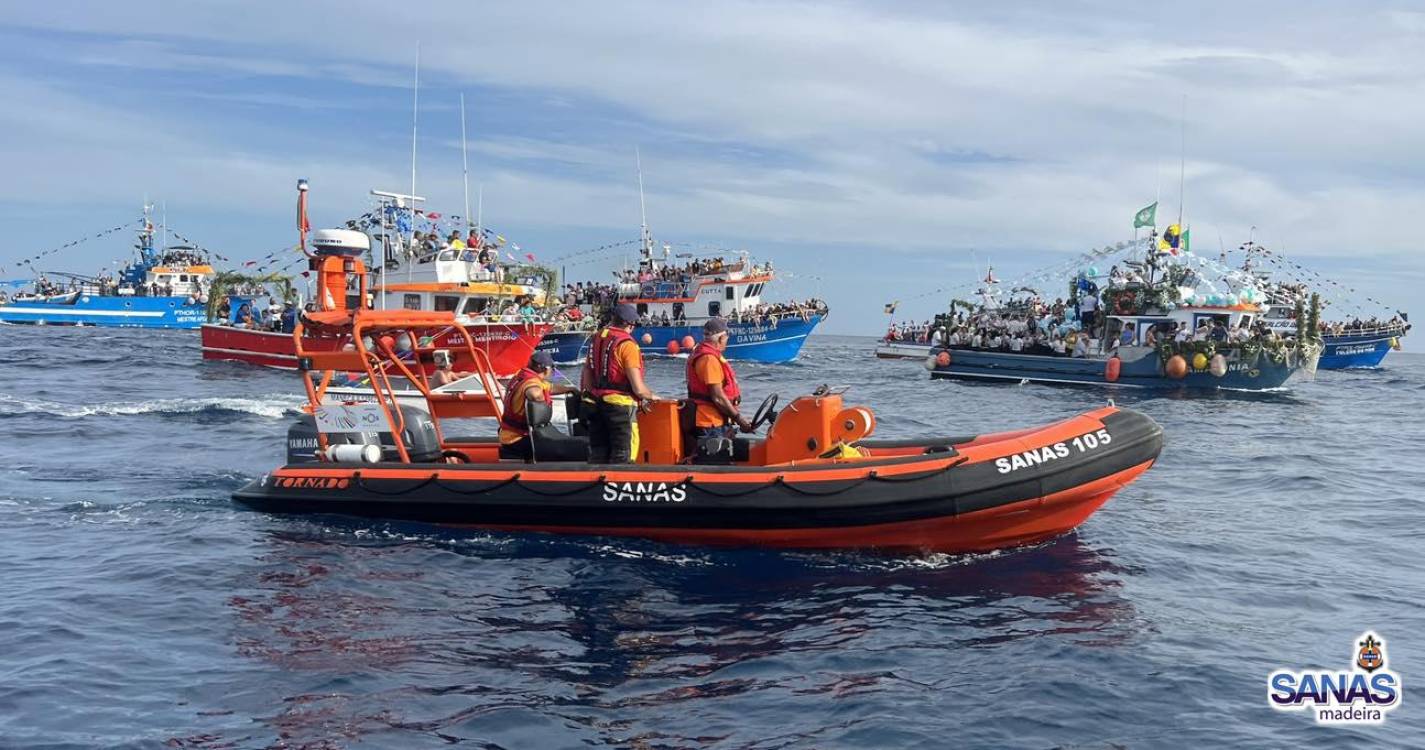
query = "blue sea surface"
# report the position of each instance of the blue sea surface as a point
(139, 608)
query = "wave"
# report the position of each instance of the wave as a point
(272, 407)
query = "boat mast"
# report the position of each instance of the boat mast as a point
(1182, 165)
(464, 162)
(415, 117)
(643, 210)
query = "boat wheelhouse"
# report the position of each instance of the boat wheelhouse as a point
(674, 302)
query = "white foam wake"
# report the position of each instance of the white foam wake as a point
(272, 407)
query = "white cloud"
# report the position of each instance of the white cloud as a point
(850, 126)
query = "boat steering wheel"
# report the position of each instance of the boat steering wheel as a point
(765, 413)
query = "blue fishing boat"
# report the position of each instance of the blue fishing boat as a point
(674, 300)
(566, 347)
(1361, 348)
(1148, 327)
(161, 288)
(1348, 345)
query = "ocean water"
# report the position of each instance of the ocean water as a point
(140, 608)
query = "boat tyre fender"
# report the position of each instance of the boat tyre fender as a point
(1122, 306)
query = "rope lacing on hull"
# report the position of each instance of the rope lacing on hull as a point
(690, 480)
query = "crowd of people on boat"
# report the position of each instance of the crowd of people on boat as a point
(766, 313)
(589, 293)
(276, 315)
(105, 285)
(909, 332)
(472, 248)
(1369, 325)
(1052, 329)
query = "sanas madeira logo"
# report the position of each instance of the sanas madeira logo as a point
(1362, 695)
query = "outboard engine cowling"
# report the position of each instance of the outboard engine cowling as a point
(302, 440)
(419, 435)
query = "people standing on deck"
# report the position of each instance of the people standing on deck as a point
(1088, 311)
(289, 317)
(712, 385)
(614, 389)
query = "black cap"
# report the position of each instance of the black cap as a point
(542, 359)
(625, 313)
(714, 326)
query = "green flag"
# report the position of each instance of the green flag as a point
(1187, 235)
(1146, 217)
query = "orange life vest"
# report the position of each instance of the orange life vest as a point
(702, 392)
(608, 374)
(518, 422)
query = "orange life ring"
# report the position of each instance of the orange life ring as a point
(1121, 306)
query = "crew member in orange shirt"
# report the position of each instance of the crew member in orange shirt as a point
(528, 408)
(712, 385)
(614, 389)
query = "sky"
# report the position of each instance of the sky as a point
(874, 151)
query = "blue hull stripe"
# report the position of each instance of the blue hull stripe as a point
(117, 312)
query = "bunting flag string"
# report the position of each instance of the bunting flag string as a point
(30, 260)
(593, 250)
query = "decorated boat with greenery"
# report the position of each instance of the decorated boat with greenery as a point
(1159, 318)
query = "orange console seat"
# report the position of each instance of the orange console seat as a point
(660, 434)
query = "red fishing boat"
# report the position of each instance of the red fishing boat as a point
(493, 305)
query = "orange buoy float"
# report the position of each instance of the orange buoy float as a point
(943, 358)
(673, 347)
(689, 342)
(647, 338)
(1111, 368)
(1176, 367)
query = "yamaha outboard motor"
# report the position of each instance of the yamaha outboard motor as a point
(419, 435)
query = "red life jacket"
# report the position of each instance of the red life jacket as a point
(608, 374)
(702, 392)
(512, 421)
